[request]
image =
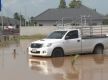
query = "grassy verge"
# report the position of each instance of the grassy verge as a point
(38, 36)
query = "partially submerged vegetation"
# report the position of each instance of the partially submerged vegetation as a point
(37, 36)
(74, 59)
(7, 43)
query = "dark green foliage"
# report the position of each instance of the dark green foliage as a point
(19, 17)
(74, 4)
(16, 16)
(62, 4)
(32, 21)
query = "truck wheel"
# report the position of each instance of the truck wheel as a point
(98, 50)
(57, 52)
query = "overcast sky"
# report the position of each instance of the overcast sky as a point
(34, 7)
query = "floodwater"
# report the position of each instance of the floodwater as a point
(15, 64)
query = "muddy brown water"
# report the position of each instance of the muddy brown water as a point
(15, 64)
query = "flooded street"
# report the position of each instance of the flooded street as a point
(16, 64)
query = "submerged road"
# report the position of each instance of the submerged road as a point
(15, 64)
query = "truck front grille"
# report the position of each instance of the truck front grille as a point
(36, 45)
(37, 52)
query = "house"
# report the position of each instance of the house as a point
(75, 16)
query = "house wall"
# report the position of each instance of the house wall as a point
(31, 30)
(52, 23)
(46, 23)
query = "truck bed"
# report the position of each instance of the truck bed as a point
(94, 36)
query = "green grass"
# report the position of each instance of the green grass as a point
(38, 36)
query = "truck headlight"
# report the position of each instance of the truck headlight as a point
(49, 44)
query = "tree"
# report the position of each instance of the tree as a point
(32, 21)
(22, 17)
(62, 4)
(19, 17)
(74, 4)
(16, 16)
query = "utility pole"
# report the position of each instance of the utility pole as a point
(20, 18)
(25, 16)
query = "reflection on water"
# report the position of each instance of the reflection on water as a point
(58, 62)
(99, 58)
(46, 66)
(14, 53)
(85, 68)
(60, 68)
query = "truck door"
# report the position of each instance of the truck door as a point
(72, 42)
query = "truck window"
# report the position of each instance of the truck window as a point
(57, 35)
(72, 35)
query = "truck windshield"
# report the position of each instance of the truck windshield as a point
(57, 35)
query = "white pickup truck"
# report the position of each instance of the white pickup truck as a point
(67, 42)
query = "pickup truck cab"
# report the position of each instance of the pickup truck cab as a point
(66, 42)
